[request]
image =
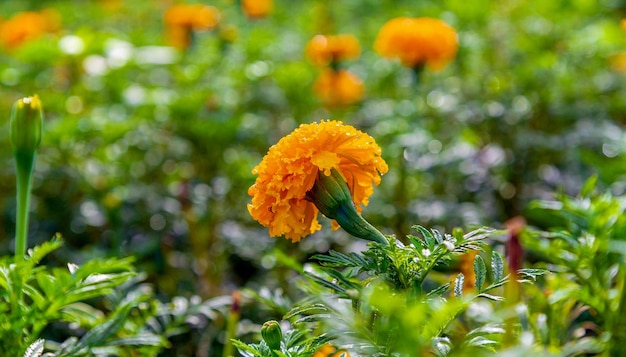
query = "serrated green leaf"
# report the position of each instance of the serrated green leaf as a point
(38, 299)
(438, 236)
(35, 349)
(441, 346)
(481, 341)
(429, 240)
(336, 259)
(497, 284)
(458, 285)
(97, 335)
(347, 283)
(439, 290)
(306, 309)
(589, 187)
(497, 266)
(325, 283)
(81, 313)
(246, 349)
(481, 272)
(416, 242)
(529, 274)
(491, 297)
(142, 339)
(39, 252)
(47, 284)
(486, 330)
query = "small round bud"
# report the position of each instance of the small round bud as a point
(26, 124)
(272, 334)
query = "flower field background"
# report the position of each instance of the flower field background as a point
(156, 115)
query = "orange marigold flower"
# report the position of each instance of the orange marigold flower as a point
(618, 62)
(338, 88)
(182, 19)
(322, 50)
(418, 41)
(27, 26)
(467, 269)
(329, 350)
(256, 9)
(196, 17)
(291, 167)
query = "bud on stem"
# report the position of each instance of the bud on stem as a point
(272, 334)
(332, 197)
(26, 124)
(26, 130)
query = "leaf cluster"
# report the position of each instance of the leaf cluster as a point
(296, 342)
(102, 305)
(386, 301)
(583, 239)
(402, 266)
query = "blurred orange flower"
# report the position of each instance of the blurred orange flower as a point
(291, 167)
(196, 17)
(257, 9)
(417, 42)
(338, 88)
(27, 26)
(623, 23)
(467, 269)
(323, 50)
(618, 62)
(329, 350)
(111, 5)
(182, 19)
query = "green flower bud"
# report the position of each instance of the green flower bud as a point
(272, 334)
(331, 195)
(26, 124)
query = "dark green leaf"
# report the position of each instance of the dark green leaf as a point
(439, 290)
(481, 272)
(497, 266)
(458, 285)
(491, 297)
(35, 349)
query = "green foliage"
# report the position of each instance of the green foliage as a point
(295, 343)
(148, 153)
(403, 266)
(388, 299)
(100, 296)
(583, 242)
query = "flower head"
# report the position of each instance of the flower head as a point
(182, 19)
(27, 26)
(329, 350)
(338, 88)
(291, 168)
(322, 50)
(418, 41)
(618, 62)
(256, 9)
(196, 17)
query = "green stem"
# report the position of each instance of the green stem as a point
(332, 197)
(24, 164)
(616, 325)
(231, 325)
(357, 226)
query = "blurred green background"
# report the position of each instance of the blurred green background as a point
(148, 149)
